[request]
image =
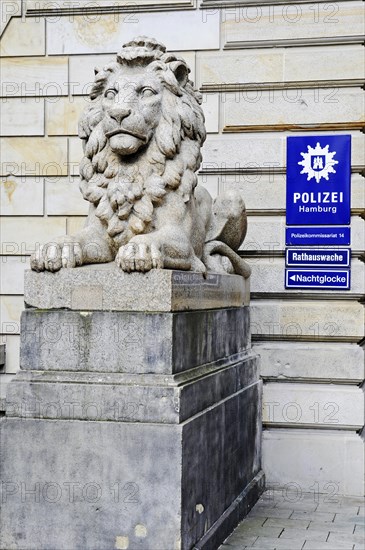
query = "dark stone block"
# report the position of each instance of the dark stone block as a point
(128, 342)
(80, 485)
(82, 396)
(82, 470)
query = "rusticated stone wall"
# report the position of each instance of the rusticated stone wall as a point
(267, 69)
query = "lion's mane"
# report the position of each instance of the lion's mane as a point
(124, 199)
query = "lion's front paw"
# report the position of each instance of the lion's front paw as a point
(139, 257)
(52, 256)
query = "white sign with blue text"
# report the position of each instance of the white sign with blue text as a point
(318, 180)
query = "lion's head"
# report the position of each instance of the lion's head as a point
(142, 137)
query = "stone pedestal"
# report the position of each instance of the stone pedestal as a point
(131, 429)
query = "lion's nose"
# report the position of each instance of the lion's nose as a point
(119, 114)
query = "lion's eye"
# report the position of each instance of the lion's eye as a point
(147, 92)
(110, 94)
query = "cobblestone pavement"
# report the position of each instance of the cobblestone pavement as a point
(293, 521)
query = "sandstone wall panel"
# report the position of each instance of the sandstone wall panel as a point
(21, 196)
(331, 463)
(281, 108)
(332, 320)
(106, 33)
(22, 117)
(23, 37)
(12, 274)
(319, 406)
(34, 76)
(333, 63)
(34, 156)
(332, 362)
(20, 235)
(291, 21)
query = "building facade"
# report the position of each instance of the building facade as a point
(267, 69)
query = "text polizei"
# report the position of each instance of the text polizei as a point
(315, 200)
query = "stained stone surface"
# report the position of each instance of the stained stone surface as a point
(106, 287)
(131, 342)
(138, 398)
(163, 486)
(151, 439)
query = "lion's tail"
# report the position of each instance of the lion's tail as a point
(214, 248)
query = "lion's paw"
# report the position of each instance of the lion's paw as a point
(139, 257)
(52, 256)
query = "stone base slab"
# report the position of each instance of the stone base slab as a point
(80, 396)
(125, 342)
(131, 485)
(130, 430)
(106, 287)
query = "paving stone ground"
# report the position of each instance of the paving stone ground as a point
(301, 521)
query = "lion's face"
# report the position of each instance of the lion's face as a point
(132, 109)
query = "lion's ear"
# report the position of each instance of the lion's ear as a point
(181, 72)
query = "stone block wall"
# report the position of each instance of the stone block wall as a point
(267, 69)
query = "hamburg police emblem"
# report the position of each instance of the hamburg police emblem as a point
(318, 163)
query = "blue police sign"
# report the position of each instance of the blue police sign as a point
(307, 236)
(331, 279)
(318, 180)
(312, 257)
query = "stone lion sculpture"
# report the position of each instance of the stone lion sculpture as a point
(142, 134)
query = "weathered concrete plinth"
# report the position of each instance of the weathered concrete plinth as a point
(131, 430)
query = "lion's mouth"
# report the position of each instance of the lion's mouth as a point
(124, 131)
